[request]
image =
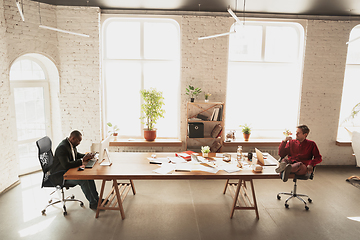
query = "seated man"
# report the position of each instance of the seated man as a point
(302, 154)
(66, 157)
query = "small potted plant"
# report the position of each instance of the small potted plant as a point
(152, 110)
(114, 129)
(207, 95)
(205, 151)
(287, 133)
(246, 131)
(192, 92)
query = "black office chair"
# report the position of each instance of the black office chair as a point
(46, 161)
(294, 194)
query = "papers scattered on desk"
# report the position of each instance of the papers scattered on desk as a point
(165, 168)
(177, 160)
(230, 168)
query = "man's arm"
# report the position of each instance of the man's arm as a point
(63, 155)
(284, 148)
(317, 157)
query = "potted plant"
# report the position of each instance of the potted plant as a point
(207, 95)
(192, 92)
(205, 151)
(246, 131)
(114, 129)
(152, 110)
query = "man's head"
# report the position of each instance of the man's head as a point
(75, 138)
(302, 131)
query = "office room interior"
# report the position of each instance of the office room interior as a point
(314, 81)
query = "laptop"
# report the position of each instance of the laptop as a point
(92, 161)
(268, 160)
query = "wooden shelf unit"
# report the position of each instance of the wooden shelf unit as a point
(205, 109)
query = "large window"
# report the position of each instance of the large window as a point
(141, 53)
(30, 90)
(264, 78)
(350, 95)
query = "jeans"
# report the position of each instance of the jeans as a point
(89, 189)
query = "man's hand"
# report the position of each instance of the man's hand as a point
(288, 139)
(88, 156)
(310, 169)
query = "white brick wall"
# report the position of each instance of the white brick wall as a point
(9, 166)
(204, 64)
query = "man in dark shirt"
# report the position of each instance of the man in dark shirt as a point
(302, 154)
(66, 157)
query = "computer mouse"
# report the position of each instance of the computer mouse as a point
(80, 169)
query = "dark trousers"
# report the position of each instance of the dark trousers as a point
(89, 189)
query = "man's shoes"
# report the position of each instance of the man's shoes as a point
(285, 174)
(94, 205)
(102, 200)
(281, 167)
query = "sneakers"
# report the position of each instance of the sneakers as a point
(281, 167)
(285, 174)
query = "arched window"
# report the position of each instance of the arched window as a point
(29, 84)
(264, 76)
(350, 95)
(141, 53)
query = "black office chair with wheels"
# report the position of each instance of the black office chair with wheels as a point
(294, 194)
(46, 160)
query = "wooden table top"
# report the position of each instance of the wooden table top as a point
(136, 166)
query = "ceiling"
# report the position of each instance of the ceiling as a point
(297, 7)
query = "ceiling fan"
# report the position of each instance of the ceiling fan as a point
(228, 33)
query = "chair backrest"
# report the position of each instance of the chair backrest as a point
(355, 143)
(45, 153)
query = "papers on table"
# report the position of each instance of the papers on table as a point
(178, 164)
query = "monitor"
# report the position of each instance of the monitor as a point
(104, 152)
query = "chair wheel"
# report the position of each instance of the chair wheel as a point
(286, 205)
(65, 213)
(309, 199)
(278, 197)
(72, 197)
(81, 204)
(307, 208)
(50, 200)
(43, 212)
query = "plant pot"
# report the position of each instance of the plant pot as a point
(192, 99)
(206, 100)
(246, 136)
(205, 155)
(115, 136)
(149, 135)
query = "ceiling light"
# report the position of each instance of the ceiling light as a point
(20, 8)
(63, 31)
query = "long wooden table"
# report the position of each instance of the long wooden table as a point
(135, 166)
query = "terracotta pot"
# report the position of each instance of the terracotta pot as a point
(115, 134)
(246, 136)
(149, 135)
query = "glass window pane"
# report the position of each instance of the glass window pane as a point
(30, 112)
(353, 56)
(246, 43)
(156, 75)
(26, 69)
(281, 44)
(161, 41)
(123, 96)
(27, 153)
(123, 40)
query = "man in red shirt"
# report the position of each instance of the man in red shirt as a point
(302, 154)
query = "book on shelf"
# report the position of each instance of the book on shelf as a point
(220, 114)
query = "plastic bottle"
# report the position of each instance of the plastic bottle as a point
(239, 153)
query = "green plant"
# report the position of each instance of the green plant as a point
(354, 111)
(205, 149)
(152, 107)
(207, 95)
(114, 128)
(245, 128)
(192, 91)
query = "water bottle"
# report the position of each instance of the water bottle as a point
(239, 153)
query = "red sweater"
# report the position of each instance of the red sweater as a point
(306, 152)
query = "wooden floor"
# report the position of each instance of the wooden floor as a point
(195, 209)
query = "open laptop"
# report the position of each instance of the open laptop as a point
(267, 161)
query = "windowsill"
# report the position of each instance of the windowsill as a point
(143, 143)
(343, 143)
(257, 142)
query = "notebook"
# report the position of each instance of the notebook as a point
(267, 161)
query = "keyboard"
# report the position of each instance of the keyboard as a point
(90, 163)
